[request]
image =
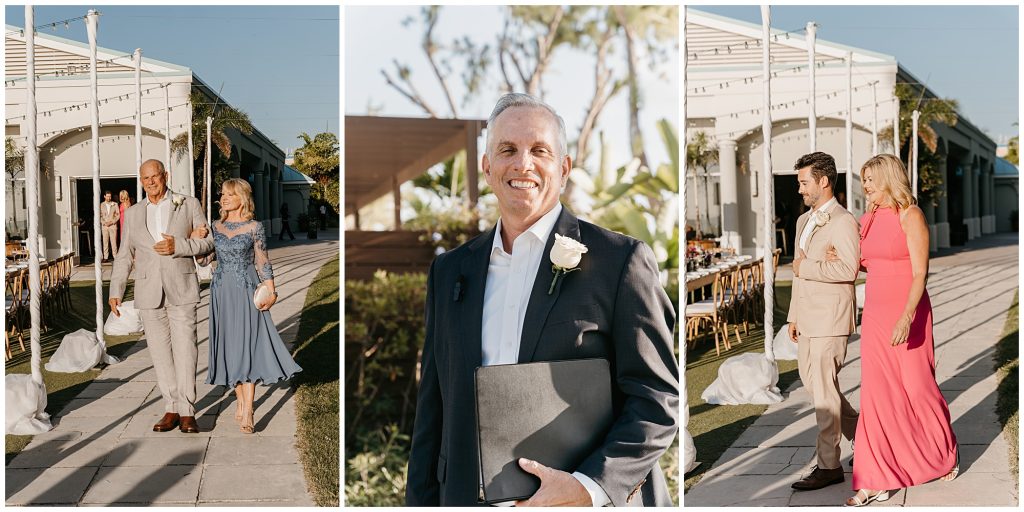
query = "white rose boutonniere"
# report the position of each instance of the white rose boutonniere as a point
(177, 201)
(565, 257)
(821, 218)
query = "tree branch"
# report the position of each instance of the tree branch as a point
(412, 95)
(544, 45)
(502, 49)
(430, 47)
(602, 76)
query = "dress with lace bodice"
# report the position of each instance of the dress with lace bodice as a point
(244, 343)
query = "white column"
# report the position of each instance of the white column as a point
(167, 135)
(895, 124)
(207, 182)
(688, 454)
(968, 208)
(913, 152)
(138, 123)
(92, 22)
(812, 113)
(849, 133)
(874, 118)
(191, 158)
(769, 193)
(729, 194)
(942, 211)
(32, 182)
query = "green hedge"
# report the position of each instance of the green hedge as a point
(384, 333)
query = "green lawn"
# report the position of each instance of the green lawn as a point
(62, 387)
(316, 397)
(715, 427)
(1007, 406)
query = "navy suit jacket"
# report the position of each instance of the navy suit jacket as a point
(613, 308)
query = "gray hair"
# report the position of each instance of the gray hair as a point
(516, 99)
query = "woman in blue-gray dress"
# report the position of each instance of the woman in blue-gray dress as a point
(245, 347)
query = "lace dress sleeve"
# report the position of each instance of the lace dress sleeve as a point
(263, 267)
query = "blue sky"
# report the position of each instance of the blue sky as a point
(970, 54)
(375, 35)
(278, 64)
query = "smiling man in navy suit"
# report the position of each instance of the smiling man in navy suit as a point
(495, 300)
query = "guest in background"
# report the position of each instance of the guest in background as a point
(110, 214)
(124, 204)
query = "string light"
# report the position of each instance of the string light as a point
(79, 106)
(746, 44)
(75, 69)
(52, 25)
(108, 122)
(753, 79)
(823, 116)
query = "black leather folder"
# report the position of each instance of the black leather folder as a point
(555, 413)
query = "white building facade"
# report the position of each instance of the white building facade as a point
(725, 100)
(64, 137)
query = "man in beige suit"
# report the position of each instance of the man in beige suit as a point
(109, 215)
(157, 241)
(822, 312)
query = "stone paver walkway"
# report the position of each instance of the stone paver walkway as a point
(103, 450)
(971, 292)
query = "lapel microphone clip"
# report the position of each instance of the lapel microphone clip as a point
(460, 285)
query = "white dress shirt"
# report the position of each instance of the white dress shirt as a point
(809, 227)
(510, 279)
(157, 216)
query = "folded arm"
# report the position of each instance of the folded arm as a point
(188, 247)
(844, 269)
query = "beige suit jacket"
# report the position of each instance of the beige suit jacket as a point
(110, 212)
(824, 301)
(161, 280)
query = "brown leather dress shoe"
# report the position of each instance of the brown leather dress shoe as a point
(189, 425)
(168, 422)
(820, 478)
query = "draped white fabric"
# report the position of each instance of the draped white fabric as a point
(128, 323)
(79, 351)
(25, 405)
(785, 349)
(745, 379)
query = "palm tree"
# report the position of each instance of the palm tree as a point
(932, 111)
(319, 159)
(224, 117)
(703, 153)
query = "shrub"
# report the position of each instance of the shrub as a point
(384, 333)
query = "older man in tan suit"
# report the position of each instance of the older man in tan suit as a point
(157, 241)
(822, 312)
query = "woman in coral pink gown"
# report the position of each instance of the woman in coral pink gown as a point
(904, 436)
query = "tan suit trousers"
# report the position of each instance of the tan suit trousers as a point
(819, 362)
(109, 239)
(171, 338)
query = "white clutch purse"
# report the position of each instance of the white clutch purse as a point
(261, 295)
